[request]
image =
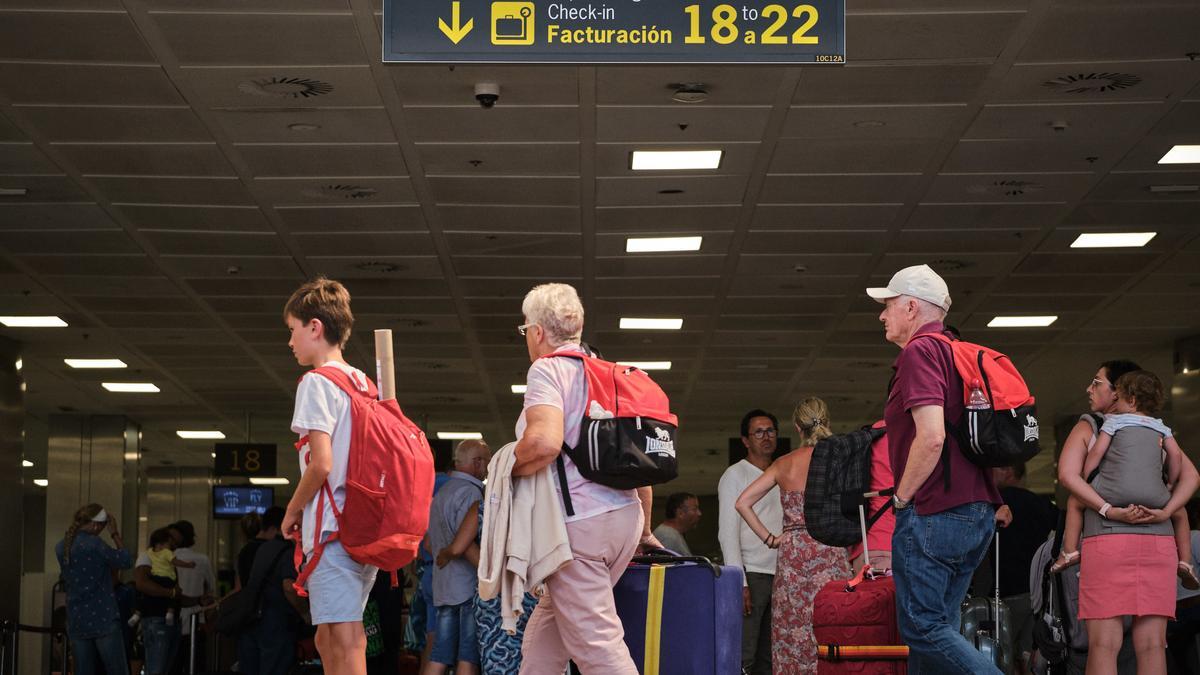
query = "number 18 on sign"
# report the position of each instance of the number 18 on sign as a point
(614, 31)
(244, 459)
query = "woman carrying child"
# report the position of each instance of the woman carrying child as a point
(1129, 557)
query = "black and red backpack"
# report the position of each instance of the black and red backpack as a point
(627, 439)
(1004, 431)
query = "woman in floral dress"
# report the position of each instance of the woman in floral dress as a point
(804, 565)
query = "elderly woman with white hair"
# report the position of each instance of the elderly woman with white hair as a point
(577, 618)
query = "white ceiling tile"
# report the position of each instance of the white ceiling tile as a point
(549, 191)
(352, 218)
(455, 85)
(867, 83)
(283, 39)
(1012, 187)
(655, 85)
(147, 190)
(324, 160)
(94, 36)
(332, 191)
(64, 216)
(87, 84)
(172, 159)
(508, 218)
(222, 218)
(844, 189)
(1113, 32)
(500, 124)
(676, 124)
(1091, 120)
(680, 189)
(872, 122)
(935, 35)
(115, 125)
(666, 218)
(482, 159)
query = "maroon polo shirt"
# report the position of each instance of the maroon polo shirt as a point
(925, 375)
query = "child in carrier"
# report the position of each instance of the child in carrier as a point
(162, 567)
(1139, 398)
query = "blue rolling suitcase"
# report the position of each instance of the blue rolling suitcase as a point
(682, 615)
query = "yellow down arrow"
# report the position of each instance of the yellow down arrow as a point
(458, 31)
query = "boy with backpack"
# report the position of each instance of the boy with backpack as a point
(319, 319)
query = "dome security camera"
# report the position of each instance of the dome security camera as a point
(487, 93)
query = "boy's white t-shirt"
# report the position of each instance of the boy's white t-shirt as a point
(322, 406)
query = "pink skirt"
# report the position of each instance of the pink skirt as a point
(1127, 575)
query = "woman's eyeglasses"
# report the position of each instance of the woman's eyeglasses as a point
(1096, 383)
(525, 327)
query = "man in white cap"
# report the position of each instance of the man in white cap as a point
(945, 506)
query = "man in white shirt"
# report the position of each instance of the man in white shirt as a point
(740, 547)
(197, 582)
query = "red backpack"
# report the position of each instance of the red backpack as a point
(389, 484)
(627, 439)
(999, 427)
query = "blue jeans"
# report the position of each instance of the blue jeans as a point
(454, 640)
(161, 642)
(104, 654)
(933, 558)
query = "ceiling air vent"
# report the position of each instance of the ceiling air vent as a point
(1006, 188)
(1092, 83)
(377, 267)
(949, 264)
(285, 87)
(342, 191)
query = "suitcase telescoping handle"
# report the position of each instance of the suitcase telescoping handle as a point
(662, 556)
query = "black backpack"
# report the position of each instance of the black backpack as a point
(1051, 625)
(838, 475)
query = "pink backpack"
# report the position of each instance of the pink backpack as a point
(389, 485)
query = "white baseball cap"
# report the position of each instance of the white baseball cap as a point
(918, 281)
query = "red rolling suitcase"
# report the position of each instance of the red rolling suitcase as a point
(854, 623)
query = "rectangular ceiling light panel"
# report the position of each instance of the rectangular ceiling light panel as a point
(647, 365)
(1022, 321)
(95, 363)
(1112, 239)
(33, 322)
(1182, 154)
(675, 160)
(628, 323)
(662, 244)
(459, 435)
(131, 387)
(200, 435)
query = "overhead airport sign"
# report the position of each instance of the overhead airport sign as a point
(614, 31)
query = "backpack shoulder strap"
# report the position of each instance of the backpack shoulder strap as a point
(345, 383)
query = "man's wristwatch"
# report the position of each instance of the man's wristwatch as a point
(900, 504)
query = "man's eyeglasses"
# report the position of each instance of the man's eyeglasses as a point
(525, 327)
(764, 433)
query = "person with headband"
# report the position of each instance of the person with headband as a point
(93, 619)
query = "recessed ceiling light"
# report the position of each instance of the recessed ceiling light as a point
(662, 244)
(647, 365)
(131, 456)
(1022, 321)
(19, 364)
(200, 435)
(33, 322)
(131, 387)
(13, 192)
(675, 160)
(95, 363)
(519, 388)
(1112, 239)
(26, 463)
(269, 481)
(1182, 154)
(41, 482)
(459, 435)
(628, 323)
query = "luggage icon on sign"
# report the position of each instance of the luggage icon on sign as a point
(512, 23)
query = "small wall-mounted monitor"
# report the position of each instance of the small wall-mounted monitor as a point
(235, 501)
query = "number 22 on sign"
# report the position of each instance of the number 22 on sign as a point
(724, 28)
